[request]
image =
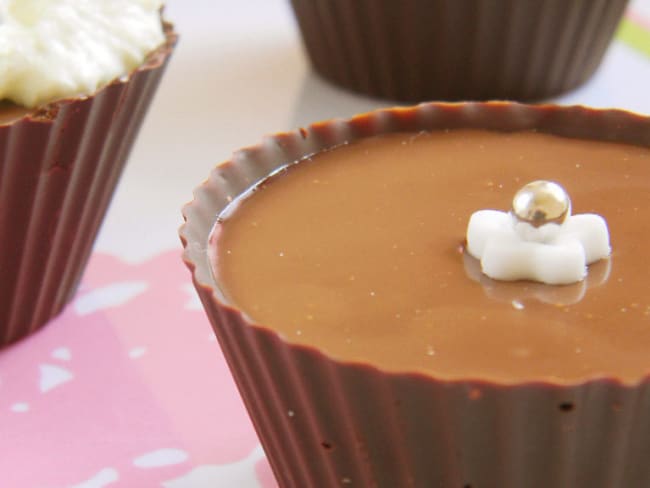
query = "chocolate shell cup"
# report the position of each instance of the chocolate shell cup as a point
(418, 50)
(325, 422)
(59, 166)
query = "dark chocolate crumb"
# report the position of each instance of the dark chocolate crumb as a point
(566, 406)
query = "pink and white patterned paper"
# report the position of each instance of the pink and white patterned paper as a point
(128, 387)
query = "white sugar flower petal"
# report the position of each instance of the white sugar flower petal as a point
(591, 230)
(512, 259)
(484, 224)
(545, 233)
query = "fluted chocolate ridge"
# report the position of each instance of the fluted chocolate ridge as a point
(418, 50)
(59, 167)
(325, 422)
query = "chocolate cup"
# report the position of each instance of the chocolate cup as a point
(417, 50)
(59, 166)
(325, 422)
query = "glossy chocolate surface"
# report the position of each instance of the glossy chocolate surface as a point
(358, 252)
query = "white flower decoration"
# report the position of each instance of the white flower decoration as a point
(538, 240)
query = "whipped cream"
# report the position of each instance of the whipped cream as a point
(54, 49)
(554, 253)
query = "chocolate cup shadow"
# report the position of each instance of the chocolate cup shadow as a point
(59, 166)
(325, 422)
(320, 100)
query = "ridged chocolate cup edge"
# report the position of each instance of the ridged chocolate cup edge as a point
(59, 166)
(418, 50)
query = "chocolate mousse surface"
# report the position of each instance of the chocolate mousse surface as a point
(358, 252)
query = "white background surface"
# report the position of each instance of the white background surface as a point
(238, 73)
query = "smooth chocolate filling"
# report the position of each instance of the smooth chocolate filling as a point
(358, 251)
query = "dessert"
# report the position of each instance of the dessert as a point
(76, 81)
(367, 350)
(416, 50)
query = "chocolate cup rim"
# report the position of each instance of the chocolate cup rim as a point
(602, 120)
(155, 59)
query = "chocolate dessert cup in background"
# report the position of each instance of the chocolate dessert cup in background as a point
(419, 50)
(325, 422)
(59, 166)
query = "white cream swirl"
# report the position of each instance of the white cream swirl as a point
(53, 49)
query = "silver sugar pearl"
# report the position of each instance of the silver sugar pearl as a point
(541, 202)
